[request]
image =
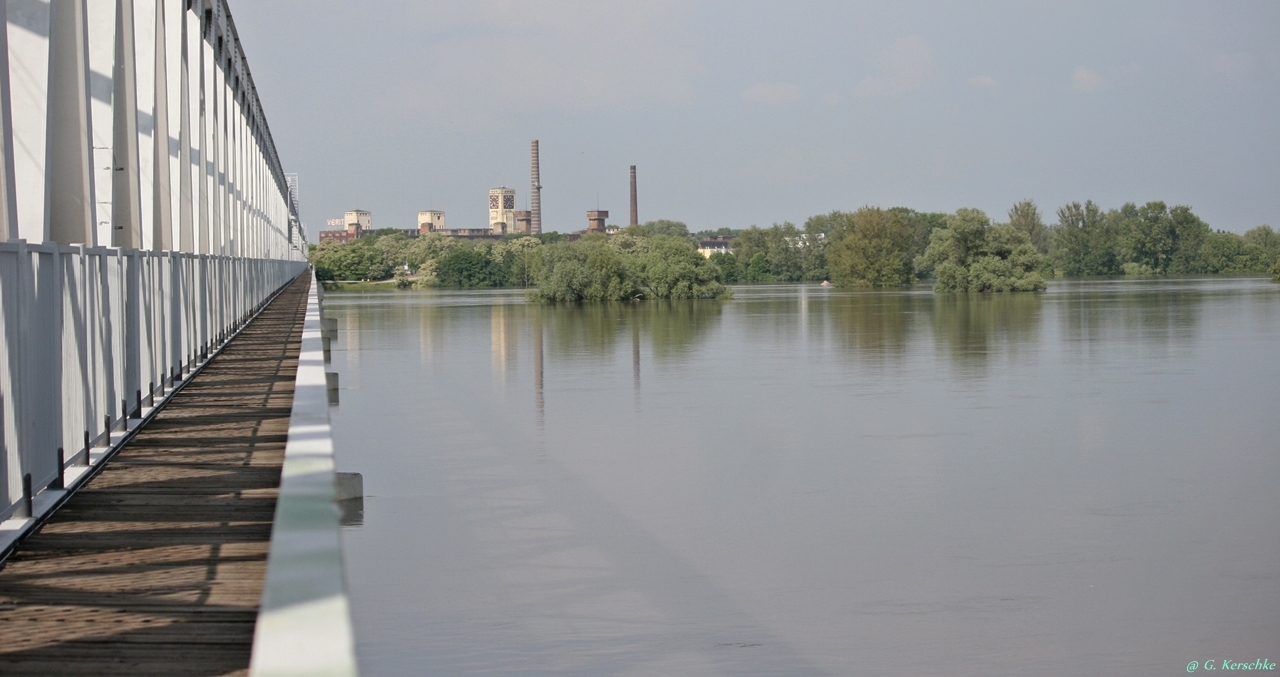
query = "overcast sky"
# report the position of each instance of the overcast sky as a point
(741, 113)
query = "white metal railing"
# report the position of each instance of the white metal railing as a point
(92, 340)
(144, 215)
(304, 622)
(137, 124)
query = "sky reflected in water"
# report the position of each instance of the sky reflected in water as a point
(807, 481)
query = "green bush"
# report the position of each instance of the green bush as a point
(629, 266)
(969, 254)
(673, 269)
(728, 265)
(469, 268)
(875, 251)
(358, 260)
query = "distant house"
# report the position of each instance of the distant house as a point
(472, 233)
(339, 236)
(718, 244)
(430, 220)
(356, 222)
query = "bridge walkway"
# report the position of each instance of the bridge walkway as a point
(156, 566)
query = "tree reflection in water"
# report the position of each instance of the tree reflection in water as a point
(875, 327)
(672, 329)
(1109, 319)
(972, 329)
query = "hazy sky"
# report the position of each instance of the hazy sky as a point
(741, 113)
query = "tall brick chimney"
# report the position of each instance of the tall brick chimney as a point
(535, 194)
(635, 214)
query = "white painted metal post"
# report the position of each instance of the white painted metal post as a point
(69, 196)
(162, 205)
(126, 188)
(8, 207)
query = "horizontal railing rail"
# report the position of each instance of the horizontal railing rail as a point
(92, 340)
(304, 622)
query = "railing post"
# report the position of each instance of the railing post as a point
(57, 482)
(133, 321)
(26, 508)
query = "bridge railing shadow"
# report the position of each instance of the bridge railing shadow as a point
(93, 340)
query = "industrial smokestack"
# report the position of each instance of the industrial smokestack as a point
(635, 214)
(535, 194)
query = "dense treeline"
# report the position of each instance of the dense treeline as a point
(870, 247)
(629, 265)
(435, 260)
(657, 260)
(1154, 239)
(875, 247)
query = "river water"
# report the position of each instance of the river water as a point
(809, 481)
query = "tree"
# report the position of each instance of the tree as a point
(969, 254)
(719, 232)
(745, 247)
(784, 244)
(469, 268)
(619, 268)
(1156, 239)
(821, 233)
(728, 266)
(758, 270)
(1084, 242)
(1266, 240)
(1147, 241)
(586, 270)
(1231, 254)
(402, 278)
(673, 269)
(1189, 235)
(875, 250)
(357, 260)
(430, 247)
(520, 258)
(1262, 246)
(922, 226)
(660, 227)
(813, 244)
(789, 254)
(1224, 252)
(1025, 216)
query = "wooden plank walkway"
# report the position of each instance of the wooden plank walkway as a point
(156, 566)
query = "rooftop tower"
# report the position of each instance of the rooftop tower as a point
(502, 211)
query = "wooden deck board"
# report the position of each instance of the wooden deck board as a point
(156, 566)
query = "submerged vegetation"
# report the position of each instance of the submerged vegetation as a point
(657, 260)
(874, 247)
(429, 261)
(627, 266)
(870, 247)
(969, 254)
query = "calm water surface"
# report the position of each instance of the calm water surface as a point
(806, 481)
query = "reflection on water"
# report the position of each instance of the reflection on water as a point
(671, 328)
(1142, 314)
(875, 328)
(972, 328)
(805, 480)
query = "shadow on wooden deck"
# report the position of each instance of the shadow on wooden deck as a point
(156, 566)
